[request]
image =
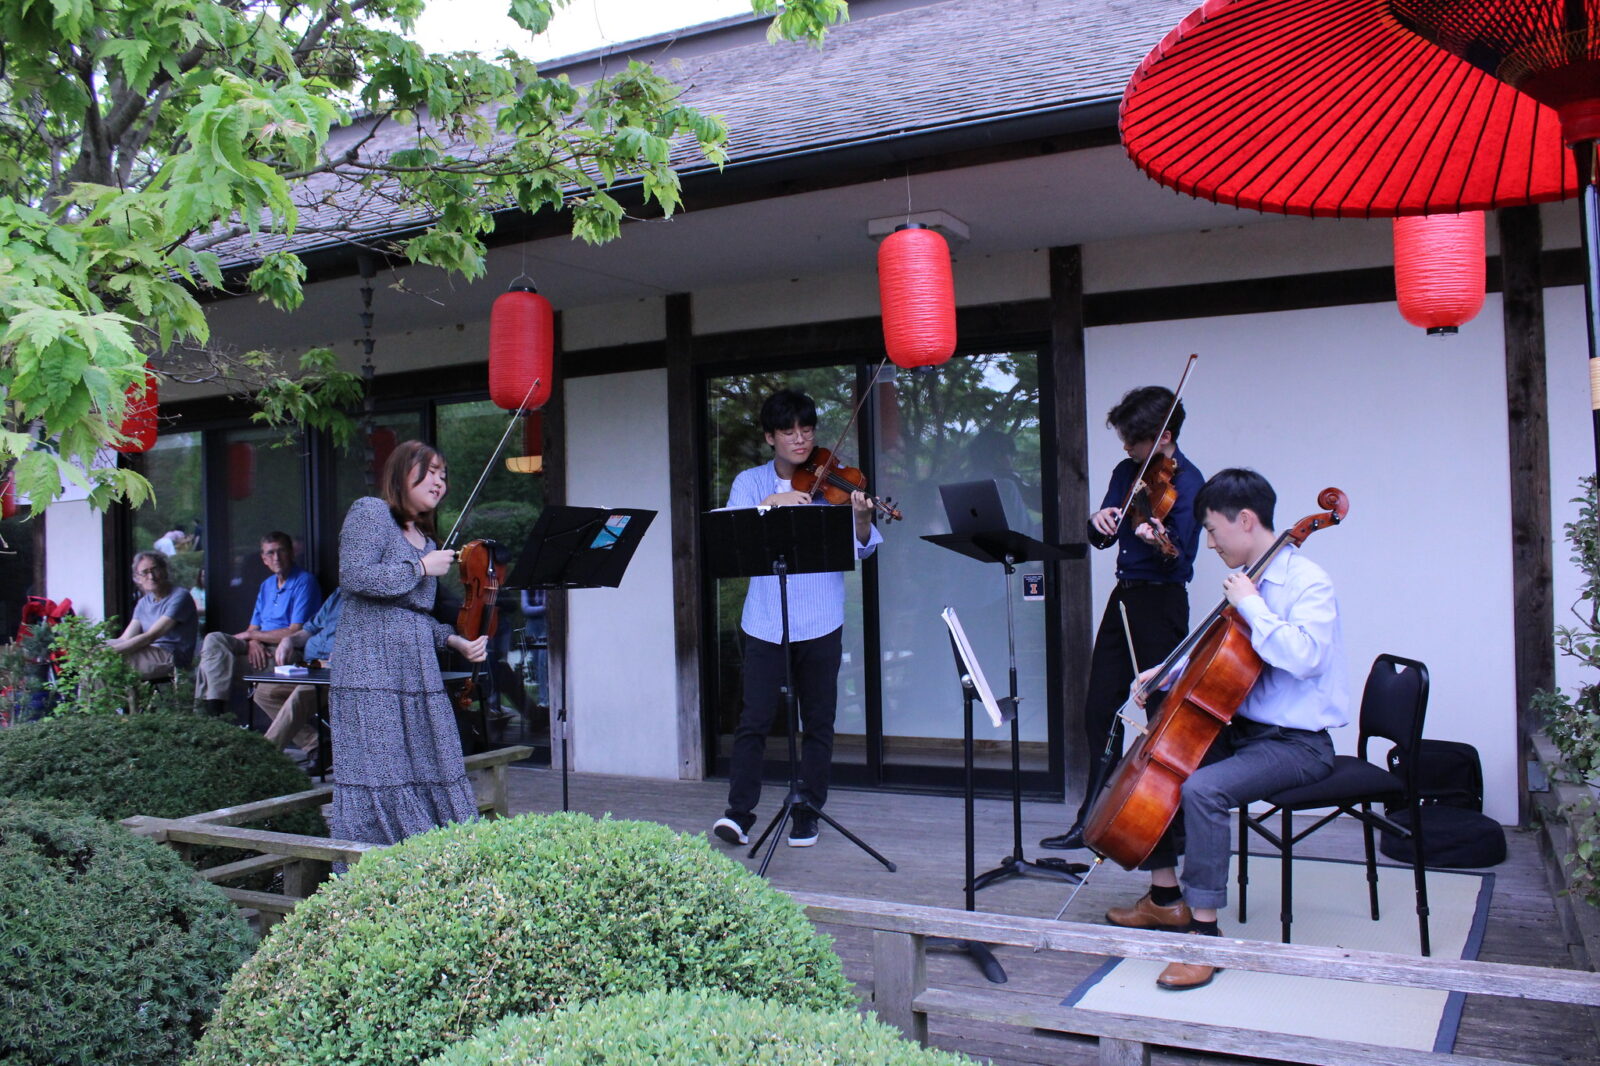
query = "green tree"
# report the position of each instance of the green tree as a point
(142, 135)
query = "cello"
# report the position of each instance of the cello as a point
(1130, 816)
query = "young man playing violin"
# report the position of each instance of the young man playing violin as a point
(1151, 584)
(816, 622)
(1278, 737)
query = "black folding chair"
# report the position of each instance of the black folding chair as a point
(1393, 705)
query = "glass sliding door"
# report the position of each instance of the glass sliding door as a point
(974, 418)
(259, 487)
(735, 442)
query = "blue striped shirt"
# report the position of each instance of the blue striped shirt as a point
(816, 601)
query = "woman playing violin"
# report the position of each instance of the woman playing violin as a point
(816, 621)
(1151, 584)
(398, 766)
(1278, 738)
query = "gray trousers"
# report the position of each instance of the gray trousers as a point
(219, 666)
(1249, 761)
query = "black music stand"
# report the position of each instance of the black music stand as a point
(761, 542)
(1008, 548)
(577, 548)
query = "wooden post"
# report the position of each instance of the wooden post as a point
(683, 468)
(899, 976)
(1527, 415)
(1114, 1052)
(1064, 413)
(302, 877)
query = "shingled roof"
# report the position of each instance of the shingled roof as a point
(959, 66)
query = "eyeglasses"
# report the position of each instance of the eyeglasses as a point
(798, 433)
(148, 571)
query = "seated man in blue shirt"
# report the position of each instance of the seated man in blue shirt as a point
(816, 621)
(160, 635)
(286, 601)
(1278, 738)
(288, 705)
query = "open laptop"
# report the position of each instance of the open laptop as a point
(973, 507)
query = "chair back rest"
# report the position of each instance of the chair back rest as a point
(1394, 704)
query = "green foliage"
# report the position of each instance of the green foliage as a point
(422, 944)
(1573, 722)
(660, 1028)
(114, 951)
(164, 765)
(90, 677)
(140, 136)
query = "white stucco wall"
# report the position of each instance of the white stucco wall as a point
(1571, 449)
(1414, 430)
(621, 689)
(74, 559)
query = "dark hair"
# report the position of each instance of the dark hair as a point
(408, 464)
(280, 538)
(786, 408)
(162, 575)
(1233, 490)
(1137, 416)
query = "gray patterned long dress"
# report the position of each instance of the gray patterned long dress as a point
(397, 755)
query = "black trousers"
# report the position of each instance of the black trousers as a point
(816, 682)
(1158, 616)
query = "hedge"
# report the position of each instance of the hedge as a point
(420, 945)
(113, 950)
(679, 1028)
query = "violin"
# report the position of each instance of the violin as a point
(480, 614)
(1153, 492)
(1129, 817)
(822, 473)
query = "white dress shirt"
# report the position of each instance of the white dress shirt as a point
(816, 601)
(1294, 627)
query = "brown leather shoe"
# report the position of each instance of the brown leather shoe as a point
(1148, 915)
(1182, 976)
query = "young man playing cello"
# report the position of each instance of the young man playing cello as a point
(816, 622)
(1151, 585)
(1278, 738)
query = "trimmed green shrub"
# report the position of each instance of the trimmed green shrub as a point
(422, 944)
(660, 1028)
(114, 952)
(164, 765)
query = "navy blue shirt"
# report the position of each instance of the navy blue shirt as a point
(1138, 561)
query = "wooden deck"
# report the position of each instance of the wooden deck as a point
(923, 836)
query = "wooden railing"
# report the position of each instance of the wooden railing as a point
(902, 996)
(304, 860)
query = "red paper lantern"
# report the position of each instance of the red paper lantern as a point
(382, 442)
(241, 471)
(918, 297)
(1438, 269)
(521, 342)
(8, 496)
(139, 415)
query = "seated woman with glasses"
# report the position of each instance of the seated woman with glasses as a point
(160, 636)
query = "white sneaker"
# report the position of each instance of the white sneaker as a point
(730, 831)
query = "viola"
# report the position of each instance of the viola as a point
(479, 615)
(823, 474)
(1152, 493)
(1129, 817)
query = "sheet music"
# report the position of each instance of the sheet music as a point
(969, 662)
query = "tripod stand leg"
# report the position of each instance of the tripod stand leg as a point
(857, 841)
(775, 831)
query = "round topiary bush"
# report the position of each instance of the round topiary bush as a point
(661, 1028)
(164, 765)
(422, 944)
(113, 951)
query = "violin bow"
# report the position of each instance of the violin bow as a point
(860, 403)
(1144, 467)
(498, 448)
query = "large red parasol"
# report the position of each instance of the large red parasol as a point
(1379, 108)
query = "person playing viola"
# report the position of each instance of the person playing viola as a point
(816, 622)
(1278, 738)
(1151, 585)
(398, 765)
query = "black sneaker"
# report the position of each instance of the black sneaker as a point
(802, 829)
(730, 831)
